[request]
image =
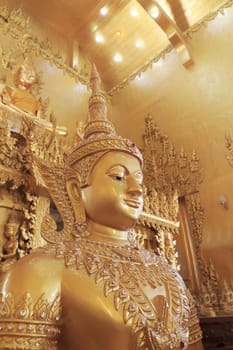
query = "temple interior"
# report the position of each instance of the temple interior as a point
(166, 70)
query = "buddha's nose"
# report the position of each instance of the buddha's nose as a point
(134, 188)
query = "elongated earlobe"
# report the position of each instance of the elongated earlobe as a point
(75, 197)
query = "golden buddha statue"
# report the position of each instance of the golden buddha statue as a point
(91, 287)
(20, 97)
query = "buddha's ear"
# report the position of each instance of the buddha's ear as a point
(73, 189)
(74, 193)
(71, 181)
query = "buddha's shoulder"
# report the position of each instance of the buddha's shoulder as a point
(39, 272)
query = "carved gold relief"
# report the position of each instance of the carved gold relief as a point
(169, 176)
(24, 132)
(169, 172)
(157, 234)
(215, 298)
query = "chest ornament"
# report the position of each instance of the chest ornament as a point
(127, 274)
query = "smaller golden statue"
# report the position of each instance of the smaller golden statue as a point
(92, 286)
(22, 103)
(20, 97)
(11, 235)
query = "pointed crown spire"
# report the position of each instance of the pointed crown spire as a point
(98, 122)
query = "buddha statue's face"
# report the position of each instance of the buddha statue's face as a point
(113, 197)
(25, 76)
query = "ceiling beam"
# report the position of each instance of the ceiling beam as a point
(169, 27)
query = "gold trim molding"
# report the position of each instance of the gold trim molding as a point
(18, 27)
(138, 72)
(210, 17)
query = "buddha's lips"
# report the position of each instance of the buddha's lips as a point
(133, 203)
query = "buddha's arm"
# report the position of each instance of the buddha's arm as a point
(30, 305)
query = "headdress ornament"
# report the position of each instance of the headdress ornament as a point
(99, 137)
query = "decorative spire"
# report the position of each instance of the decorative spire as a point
(97, 102)
(98, 122)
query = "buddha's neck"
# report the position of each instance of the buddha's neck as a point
(102, 233)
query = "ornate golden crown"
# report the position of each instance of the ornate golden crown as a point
(99, 135)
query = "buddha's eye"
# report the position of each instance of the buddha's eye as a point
(117, 177)
(117, 173)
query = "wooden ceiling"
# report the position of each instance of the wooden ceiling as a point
(125, 36)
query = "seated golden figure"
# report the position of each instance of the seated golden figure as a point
(20, 96)
(91, 287)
